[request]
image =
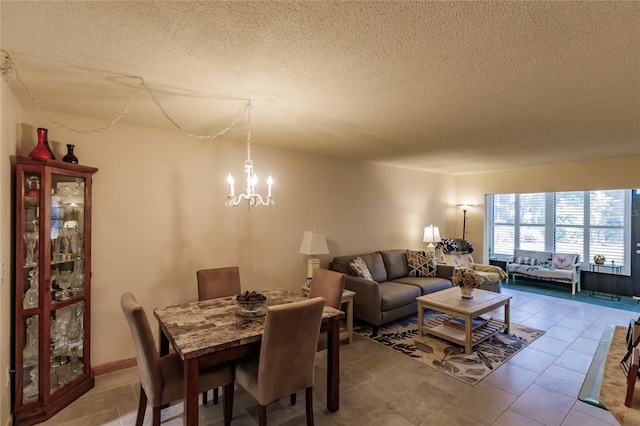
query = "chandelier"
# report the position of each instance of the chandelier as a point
(250, 193)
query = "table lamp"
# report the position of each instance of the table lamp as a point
(313, 242)
(431, 235)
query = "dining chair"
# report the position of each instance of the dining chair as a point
(286, 361)
(212, 284)
(329, 285)
(218, 282)
(161, 376)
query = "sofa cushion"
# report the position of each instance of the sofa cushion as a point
(563, 261)
(376, 266)
(360, 269)
(420, 265)
(542, 257)
(373, 260)
(426, 284)
(394, 295)
(395, 262)
(525, 260)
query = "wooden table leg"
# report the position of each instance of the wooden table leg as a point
(468, 340)
(333, 367)
(350, 319)
(190, 385)
(507, 320)
(420, 318)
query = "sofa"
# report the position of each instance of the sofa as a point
(391, 291)
(547, 266)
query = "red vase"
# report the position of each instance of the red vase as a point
(40, 152)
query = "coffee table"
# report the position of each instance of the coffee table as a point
(450, 302)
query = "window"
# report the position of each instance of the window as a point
(583, 222)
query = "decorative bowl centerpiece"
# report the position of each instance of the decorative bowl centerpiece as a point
(251, 303)
(599, 259)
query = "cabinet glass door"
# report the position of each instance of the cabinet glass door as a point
(66, 354)
(67, 238)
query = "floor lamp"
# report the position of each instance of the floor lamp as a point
(313, 242)
(464, 208)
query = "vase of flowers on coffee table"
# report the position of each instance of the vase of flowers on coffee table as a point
(467, 280)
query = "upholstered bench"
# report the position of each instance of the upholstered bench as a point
(546, 266)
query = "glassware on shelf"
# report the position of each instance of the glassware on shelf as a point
(63, 370)
(30, 242)
(30, 352)
(64, 282)
(75, 244)
(53, 376)
(65, 236)
(32, 297)
(32, 191)
(77, 366)
(77, 281)
(56, 253)
(30, 391)
(74, 326)
(55, 335)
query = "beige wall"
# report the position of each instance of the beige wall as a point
(616, 173)
(159, 215)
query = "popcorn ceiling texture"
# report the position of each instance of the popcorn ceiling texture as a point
(453, 87)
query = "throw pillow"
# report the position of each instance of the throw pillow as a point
(420, 264)
(562, 261)
(360, 269)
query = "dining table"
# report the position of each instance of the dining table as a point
(214, 331)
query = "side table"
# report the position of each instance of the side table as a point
(347, 298)
(495, 262)
(616, 270)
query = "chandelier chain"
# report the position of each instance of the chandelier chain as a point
(8, 67)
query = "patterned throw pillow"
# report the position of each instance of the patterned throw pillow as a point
(562, 261)
(420, 264)
(360, 269)
(527, 260)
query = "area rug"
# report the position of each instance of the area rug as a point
(613, 382)
(449, 358)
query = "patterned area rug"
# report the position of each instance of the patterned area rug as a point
(449, 358)
(613, 389)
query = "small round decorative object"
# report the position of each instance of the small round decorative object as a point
(598, 259)
(252, 304)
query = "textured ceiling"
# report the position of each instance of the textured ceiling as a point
(451, 87)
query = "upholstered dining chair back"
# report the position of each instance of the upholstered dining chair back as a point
(218, 282)
(161, 377)
(146, 351)
(214, 283)
(329, 285)
(287, 355)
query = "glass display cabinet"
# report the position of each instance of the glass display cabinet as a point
(52, 287)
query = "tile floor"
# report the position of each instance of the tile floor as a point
(538, 386)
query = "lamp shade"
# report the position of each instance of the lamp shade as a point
(431, 234)
(314, 242)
